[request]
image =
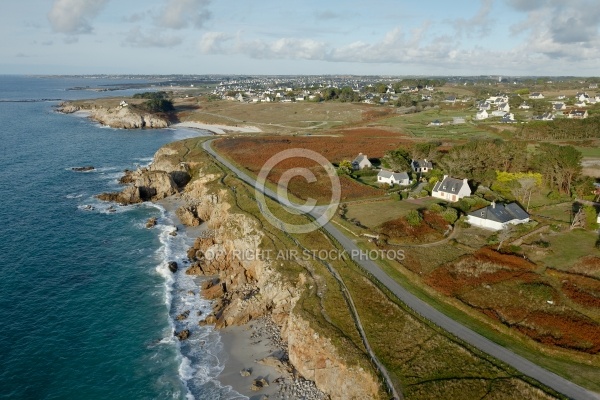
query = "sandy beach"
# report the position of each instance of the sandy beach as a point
(217, 129)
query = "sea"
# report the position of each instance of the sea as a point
(87, 303)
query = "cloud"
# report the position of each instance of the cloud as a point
(214, 42)
(559, 29)
(136, 17)
(137, 38)
(479, 24)
(74, 16)
(326, 15)
(179, 14)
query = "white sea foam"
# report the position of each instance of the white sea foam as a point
(198, 356)
(74, 196)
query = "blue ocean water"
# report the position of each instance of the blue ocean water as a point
(86, 300)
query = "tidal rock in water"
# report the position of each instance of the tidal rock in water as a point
(183, 335)
(173, 266)
(83, 169)
(151, 222)
(183, 315)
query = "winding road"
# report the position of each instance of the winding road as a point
(469, 336)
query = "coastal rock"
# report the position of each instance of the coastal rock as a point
(150, 185)
(183, 316)
(183, 335)
(173, 266)
(188, 215)
(151, 222)
(83, 169)
(127, 118)
(245, 372)
(259, 384)
(127, 178)
(67, 108)
(195, 269)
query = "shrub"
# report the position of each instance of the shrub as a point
(435, 207)
(450, 215)
(414, 218)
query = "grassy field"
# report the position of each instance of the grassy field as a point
(373, 214)
(417, 125)
(286, 118)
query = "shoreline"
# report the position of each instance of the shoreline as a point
(244, 346)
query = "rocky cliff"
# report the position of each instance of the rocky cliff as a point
(127, 117)
(162, 179)
(245, 287)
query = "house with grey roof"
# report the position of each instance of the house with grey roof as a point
(421, 165)
(392, 178)
(451, 189)
(361, 162)
(498, 216)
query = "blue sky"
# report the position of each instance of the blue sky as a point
(377, 37)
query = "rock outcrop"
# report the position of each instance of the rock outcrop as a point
(149, 184)
(118, 117)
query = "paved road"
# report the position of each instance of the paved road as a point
(521, 364)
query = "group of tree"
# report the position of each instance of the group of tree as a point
(561, 129)
(506, 166)
(559, 165)
(479, 160)
(345, 94)
(158, 102)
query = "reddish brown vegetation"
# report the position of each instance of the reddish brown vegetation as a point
(432, 228)
(581, 289)
(474, 270)
(571, 331)
(253, 153)
(589, 266)
(521, 297)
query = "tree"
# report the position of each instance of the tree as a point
(344, 168)
(560, 165)
(398, 160)
(515, 101)
(428, 151)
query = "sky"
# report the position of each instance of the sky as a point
(281, 37)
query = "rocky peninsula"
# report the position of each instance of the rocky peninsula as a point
(249, 293)
(116, 114)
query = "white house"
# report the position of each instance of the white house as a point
(578, 114)
(536, 96)
(123, 103)
(451, 189)
(421, 165)
(481, 115)
(498, 216)
(361, 162)
(391, 178)
(524, 106)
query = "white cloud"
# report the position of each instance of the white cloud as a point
(74, 16)
(179, 14)
(558, 29)
(213, 42)
(136, 38)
